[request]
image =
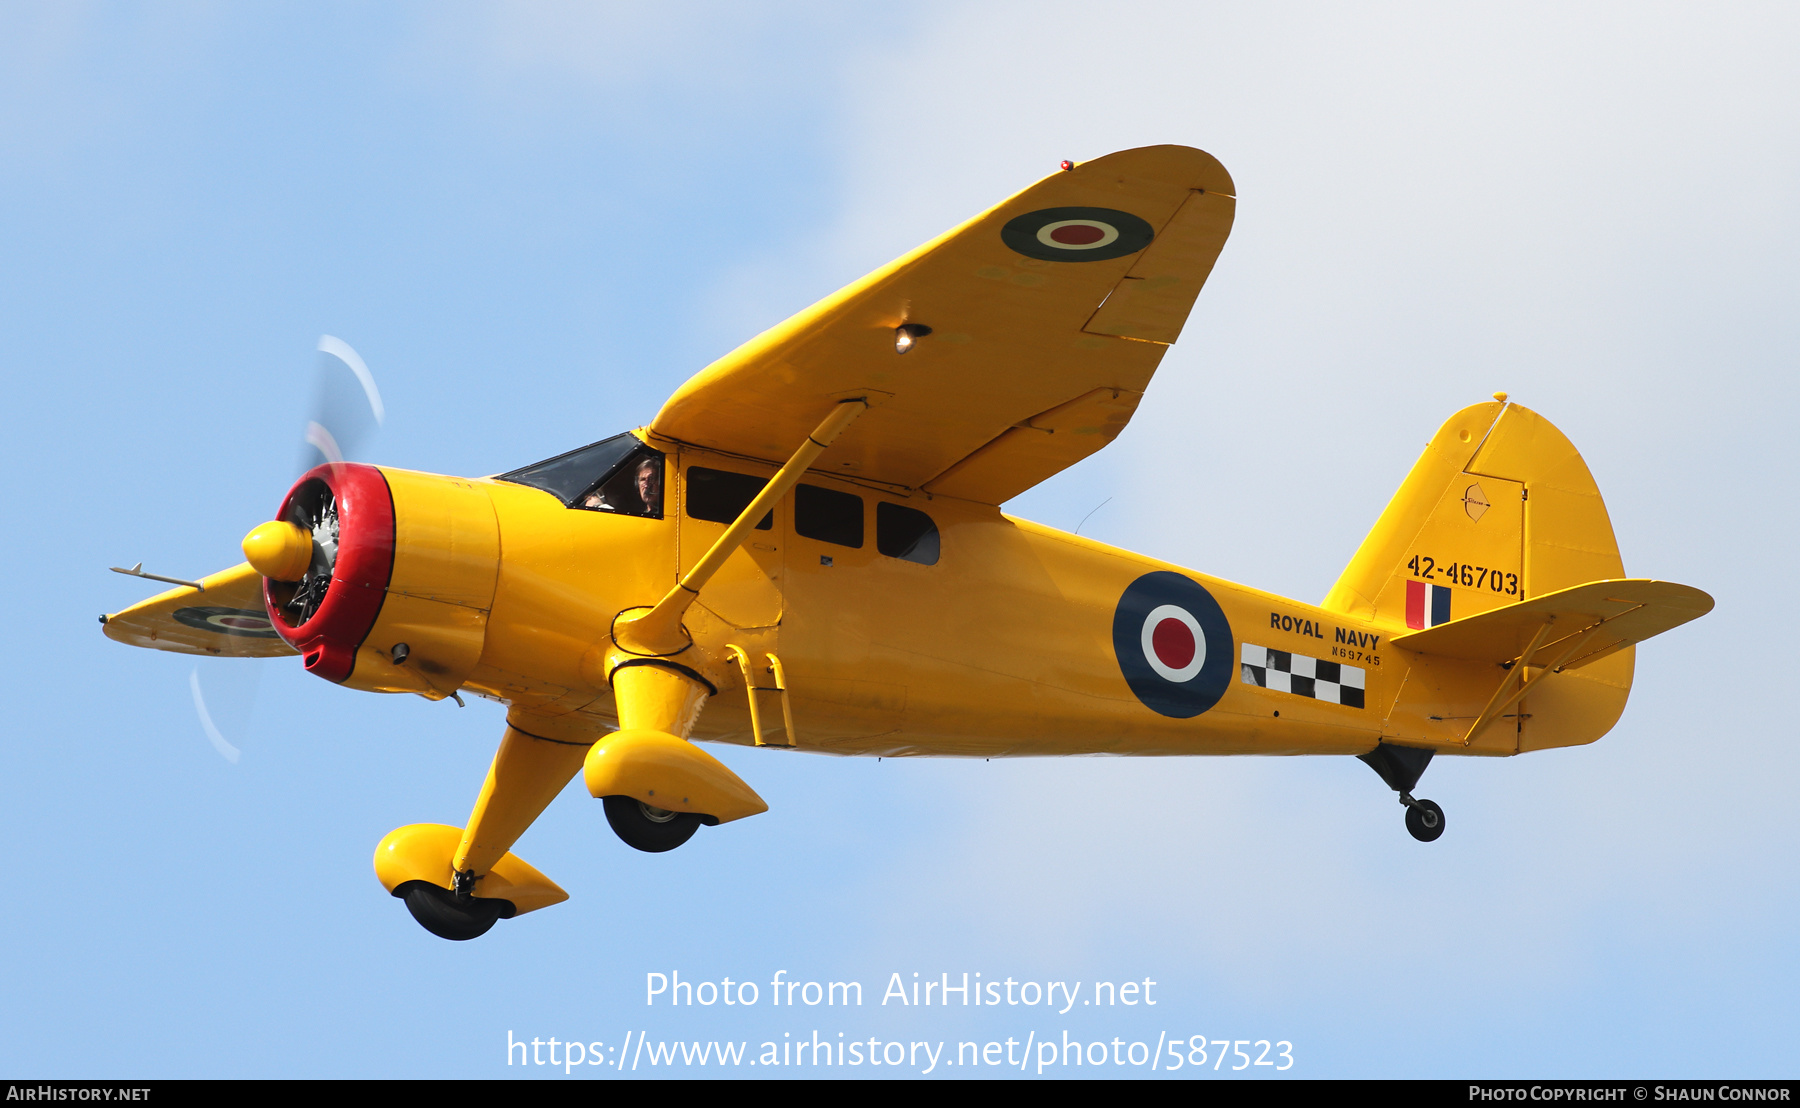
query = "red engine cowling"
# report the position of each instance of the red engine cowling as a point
(329, 612)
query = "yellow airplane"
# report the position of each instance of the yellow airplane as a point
(806, 543)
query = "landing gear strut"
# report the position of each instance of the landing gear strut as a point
(1401, 767)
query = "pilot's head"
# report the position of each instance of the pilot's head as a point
(649, 483)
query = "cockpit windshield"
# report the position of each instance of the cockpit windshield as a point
(619, 475)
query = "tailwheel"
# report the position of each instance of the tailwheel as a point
(1401, 767)
(449, 916)
(649, 829)
(1424, 819)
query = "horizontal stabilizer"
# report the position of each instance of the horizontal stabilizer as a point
(226, 618)
(1565, 629)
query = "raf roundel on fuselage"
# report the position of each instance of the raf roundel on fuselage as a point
(1173, 644)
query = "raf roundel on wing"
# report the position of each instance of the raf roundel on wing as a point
(228, 621)
(1173, 644)
(1076, 234)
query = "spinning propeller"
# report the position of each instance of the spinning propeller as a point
(346, 412)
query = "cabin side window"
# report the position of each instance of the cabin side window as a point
(905, 533)
(720, 496)
(828, 515)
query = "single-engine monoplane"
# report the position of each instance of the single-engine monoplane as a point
(804, 549)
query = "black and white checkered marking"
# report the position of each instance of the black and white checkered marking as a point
(1331, 682)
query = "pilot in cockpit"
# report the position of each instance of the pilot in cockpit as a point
(640, 494)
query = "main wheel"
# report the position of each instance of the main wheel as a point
(440, 912)
(646, 828)
(1425, 820)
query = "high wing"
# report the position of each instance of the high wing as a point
(1047, 314)
(227, 619)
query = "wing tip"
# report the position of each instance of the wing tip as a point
(1188, 166)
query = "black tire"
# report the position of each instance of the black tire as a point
(441, 913)
(1425, 820)
(649, 829)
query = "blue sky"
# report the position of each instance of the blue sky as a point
(534, 221)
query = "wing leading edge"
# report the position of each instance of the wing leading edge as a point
(1048, 313)
(227, 619)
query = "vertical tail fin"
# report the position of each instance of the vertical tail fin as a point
(1499, 508)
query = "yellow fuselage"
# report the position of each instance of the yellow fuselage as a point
(1005, 646)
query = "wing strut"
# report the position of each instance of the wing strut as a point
(658, 632)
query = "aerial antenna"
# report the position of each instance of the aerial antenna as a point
(1090, 514)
